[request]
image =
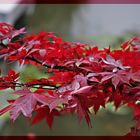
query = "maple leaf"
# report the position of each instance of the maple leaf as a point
(82, 109)
(42, 52)
(8, 31)
(81, 79)
(13, 34)
(56, 100)
(10, 79)
(116, 77)
(78, 81)
(78, 86)
(114, 63)
(93, 77)
(99, 100)
(117, 99)
(5, 28)
(25, 104)
(135, 92)
(61, 77)
(134, 76)
(45, 113)
(83, 90)
(70, 87)
(12, 75)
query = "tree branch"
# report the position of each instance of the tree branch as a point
(48, 66)
(15, 84)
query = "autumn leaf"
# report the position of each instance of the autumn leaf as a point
(25, 104)
(45, 113)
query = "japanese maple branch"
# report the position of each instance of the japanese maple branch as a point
(32, 87)
(15, 84)
(41, 84)
(48, 66)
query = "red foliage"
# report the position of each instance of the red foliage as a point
(83, 76)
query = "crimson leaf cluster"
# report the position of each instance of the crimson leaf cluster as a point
(84, 77)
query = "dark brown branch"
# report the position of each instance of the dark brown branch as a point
(48, 66)
(32, 87)
(40, 84)
(15, 84)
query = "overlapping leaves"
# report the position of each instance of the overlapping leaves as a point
(83, 77)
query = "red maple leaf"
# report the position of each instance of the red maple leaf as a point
(45, 113)
(25, 104)
(116, 77)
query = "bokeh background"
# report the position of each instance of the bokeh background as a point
(96, 24)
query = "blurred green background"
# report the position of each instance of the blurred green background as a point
(59, 19)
